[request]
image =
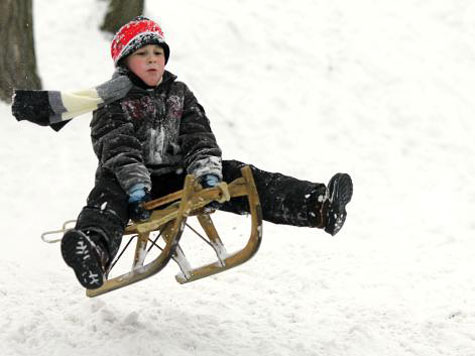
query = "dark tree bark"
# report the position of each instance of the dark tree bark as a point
(120, 12)
(17, 57)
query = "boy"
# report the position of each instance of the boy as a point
(148, 137)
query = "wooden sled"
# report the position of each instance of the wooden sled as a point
(169, 218)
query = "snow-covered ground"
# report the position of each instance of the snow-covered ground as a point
(380, 89)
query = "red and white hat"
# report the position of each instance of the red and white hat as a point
(137, 33)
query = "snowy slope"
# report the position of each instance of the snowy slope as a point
(380, 89)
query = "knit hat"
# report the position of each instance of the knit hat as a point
(137, 33)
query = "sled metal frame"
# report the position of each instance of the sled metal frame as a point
(169, 218)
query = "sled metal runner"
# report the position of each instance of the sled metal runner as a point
(169, 217)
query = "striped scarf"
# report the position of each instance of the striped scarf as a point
(55, 108)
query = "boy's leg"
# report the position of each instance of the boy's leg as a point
(106, 211)
(284, 199)
(91, 246)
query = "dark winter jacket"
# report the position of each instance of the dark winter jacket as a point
(155, 131)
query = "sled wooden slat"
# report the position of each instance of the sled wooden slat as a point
(214, 239)
(140, 247)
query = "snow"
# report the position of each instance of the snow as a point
(380, 89)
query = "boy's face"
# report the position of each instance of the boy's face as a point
(147, 63)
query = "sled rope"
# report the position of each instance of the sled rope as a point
(154, 243)
(197, 233)
(121, 253)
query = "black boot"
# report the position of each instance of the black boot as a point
(340, 190)
(86, 253)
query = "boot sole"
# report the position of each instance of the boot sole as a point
(78, 253)
(341, 191)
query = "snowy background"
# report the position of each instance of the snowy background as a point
(380, 89)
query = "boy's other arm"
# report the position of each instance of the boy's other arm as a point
(201, 153)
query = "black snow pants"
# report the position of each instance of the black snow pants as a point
(284, 200)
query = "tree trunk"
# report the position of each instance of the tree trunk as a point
(120, 12)
(17, 57)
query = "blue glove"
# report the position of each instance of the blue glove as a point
(209, 181)
(137, 196)
(137, 193)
